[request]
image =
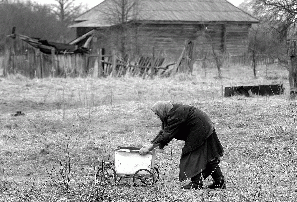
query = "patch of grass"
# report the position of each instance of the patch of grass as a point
(54, 151)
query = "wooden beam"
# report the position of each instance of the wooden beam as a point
(53, 62)
(114, 63)
(81, 37)
(100, 64)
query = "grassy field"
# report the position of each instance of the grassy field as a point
(70, 125)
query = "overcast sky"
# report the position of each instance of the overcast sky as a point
(92, 3)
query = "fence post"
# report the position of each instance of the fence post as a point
(53, 62)
(85, 65)
(100, 64)
(193, 56)
(98, 71)
(41, 60)
(95, 69)
(152, 65)
(37, 62)
(6, 62)
(114, 63)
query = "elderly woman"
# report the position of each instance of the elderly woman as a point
(202, 149)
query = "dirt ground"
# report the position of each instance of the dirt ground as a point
(82, 121)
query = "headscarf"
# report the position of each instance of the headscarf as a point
(162, 108)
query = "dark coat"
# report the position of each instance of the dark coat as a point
(186, 123)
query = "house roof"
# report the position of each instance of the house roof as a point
(168, 11)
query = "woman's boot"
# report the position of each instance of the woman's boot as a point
(196, 182)
(218, 179)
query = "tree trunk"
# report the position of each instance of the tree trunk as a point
(293, 77)
(254, 63)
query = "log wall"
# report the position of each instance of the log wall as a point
(167, 40)
(237, 38)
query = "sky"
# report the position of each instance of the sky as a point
(92, 3)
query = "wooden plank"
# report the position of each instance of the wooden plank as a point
(54, 68)
(114, 63)
(97, 55)
(100, 64)
(82, 37)
(97, 72)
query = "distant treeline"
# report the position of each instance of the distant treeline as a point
(34, 20)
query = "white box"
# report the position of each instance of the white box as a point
(128, 161)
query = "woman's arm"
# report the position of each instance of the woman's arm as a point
(170, 130)
(146, 149)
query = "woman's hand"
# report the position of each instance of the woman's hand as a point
(146, 149)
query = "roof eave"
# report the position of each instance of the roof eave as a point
(165, 22)
(194, 22)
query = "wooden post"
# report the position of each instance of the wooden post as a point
(64, 61)
(6, 61)
(292, 53)
(114, 63)
(85, 67)
(254, 63)
(193, 56)
(53, 62)
(100, 64)
(42, 64)
(78, 70)
(178, 62)
(14, 58)
(95, 71)
(37, 62)
(153, 64)
(293, 77)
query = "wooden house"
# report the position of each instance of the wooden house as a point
(161, 27)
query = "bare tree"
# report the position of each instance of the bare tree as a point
(122, 11)
(282, 15)
(122, 14)
(66, 11)
(248, 6)
(29, 18)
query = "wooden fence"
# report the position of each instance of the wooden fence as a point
(246, 59)
(35, 64)
(232, 60)
(112, 65)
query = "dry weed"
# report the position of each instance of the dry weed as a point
(52, 153)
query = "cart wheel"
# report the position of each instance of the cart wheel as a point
(106, 176)
(143, 177)
(156, 174)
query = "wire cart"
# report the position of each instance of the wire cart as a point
(128, 163)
